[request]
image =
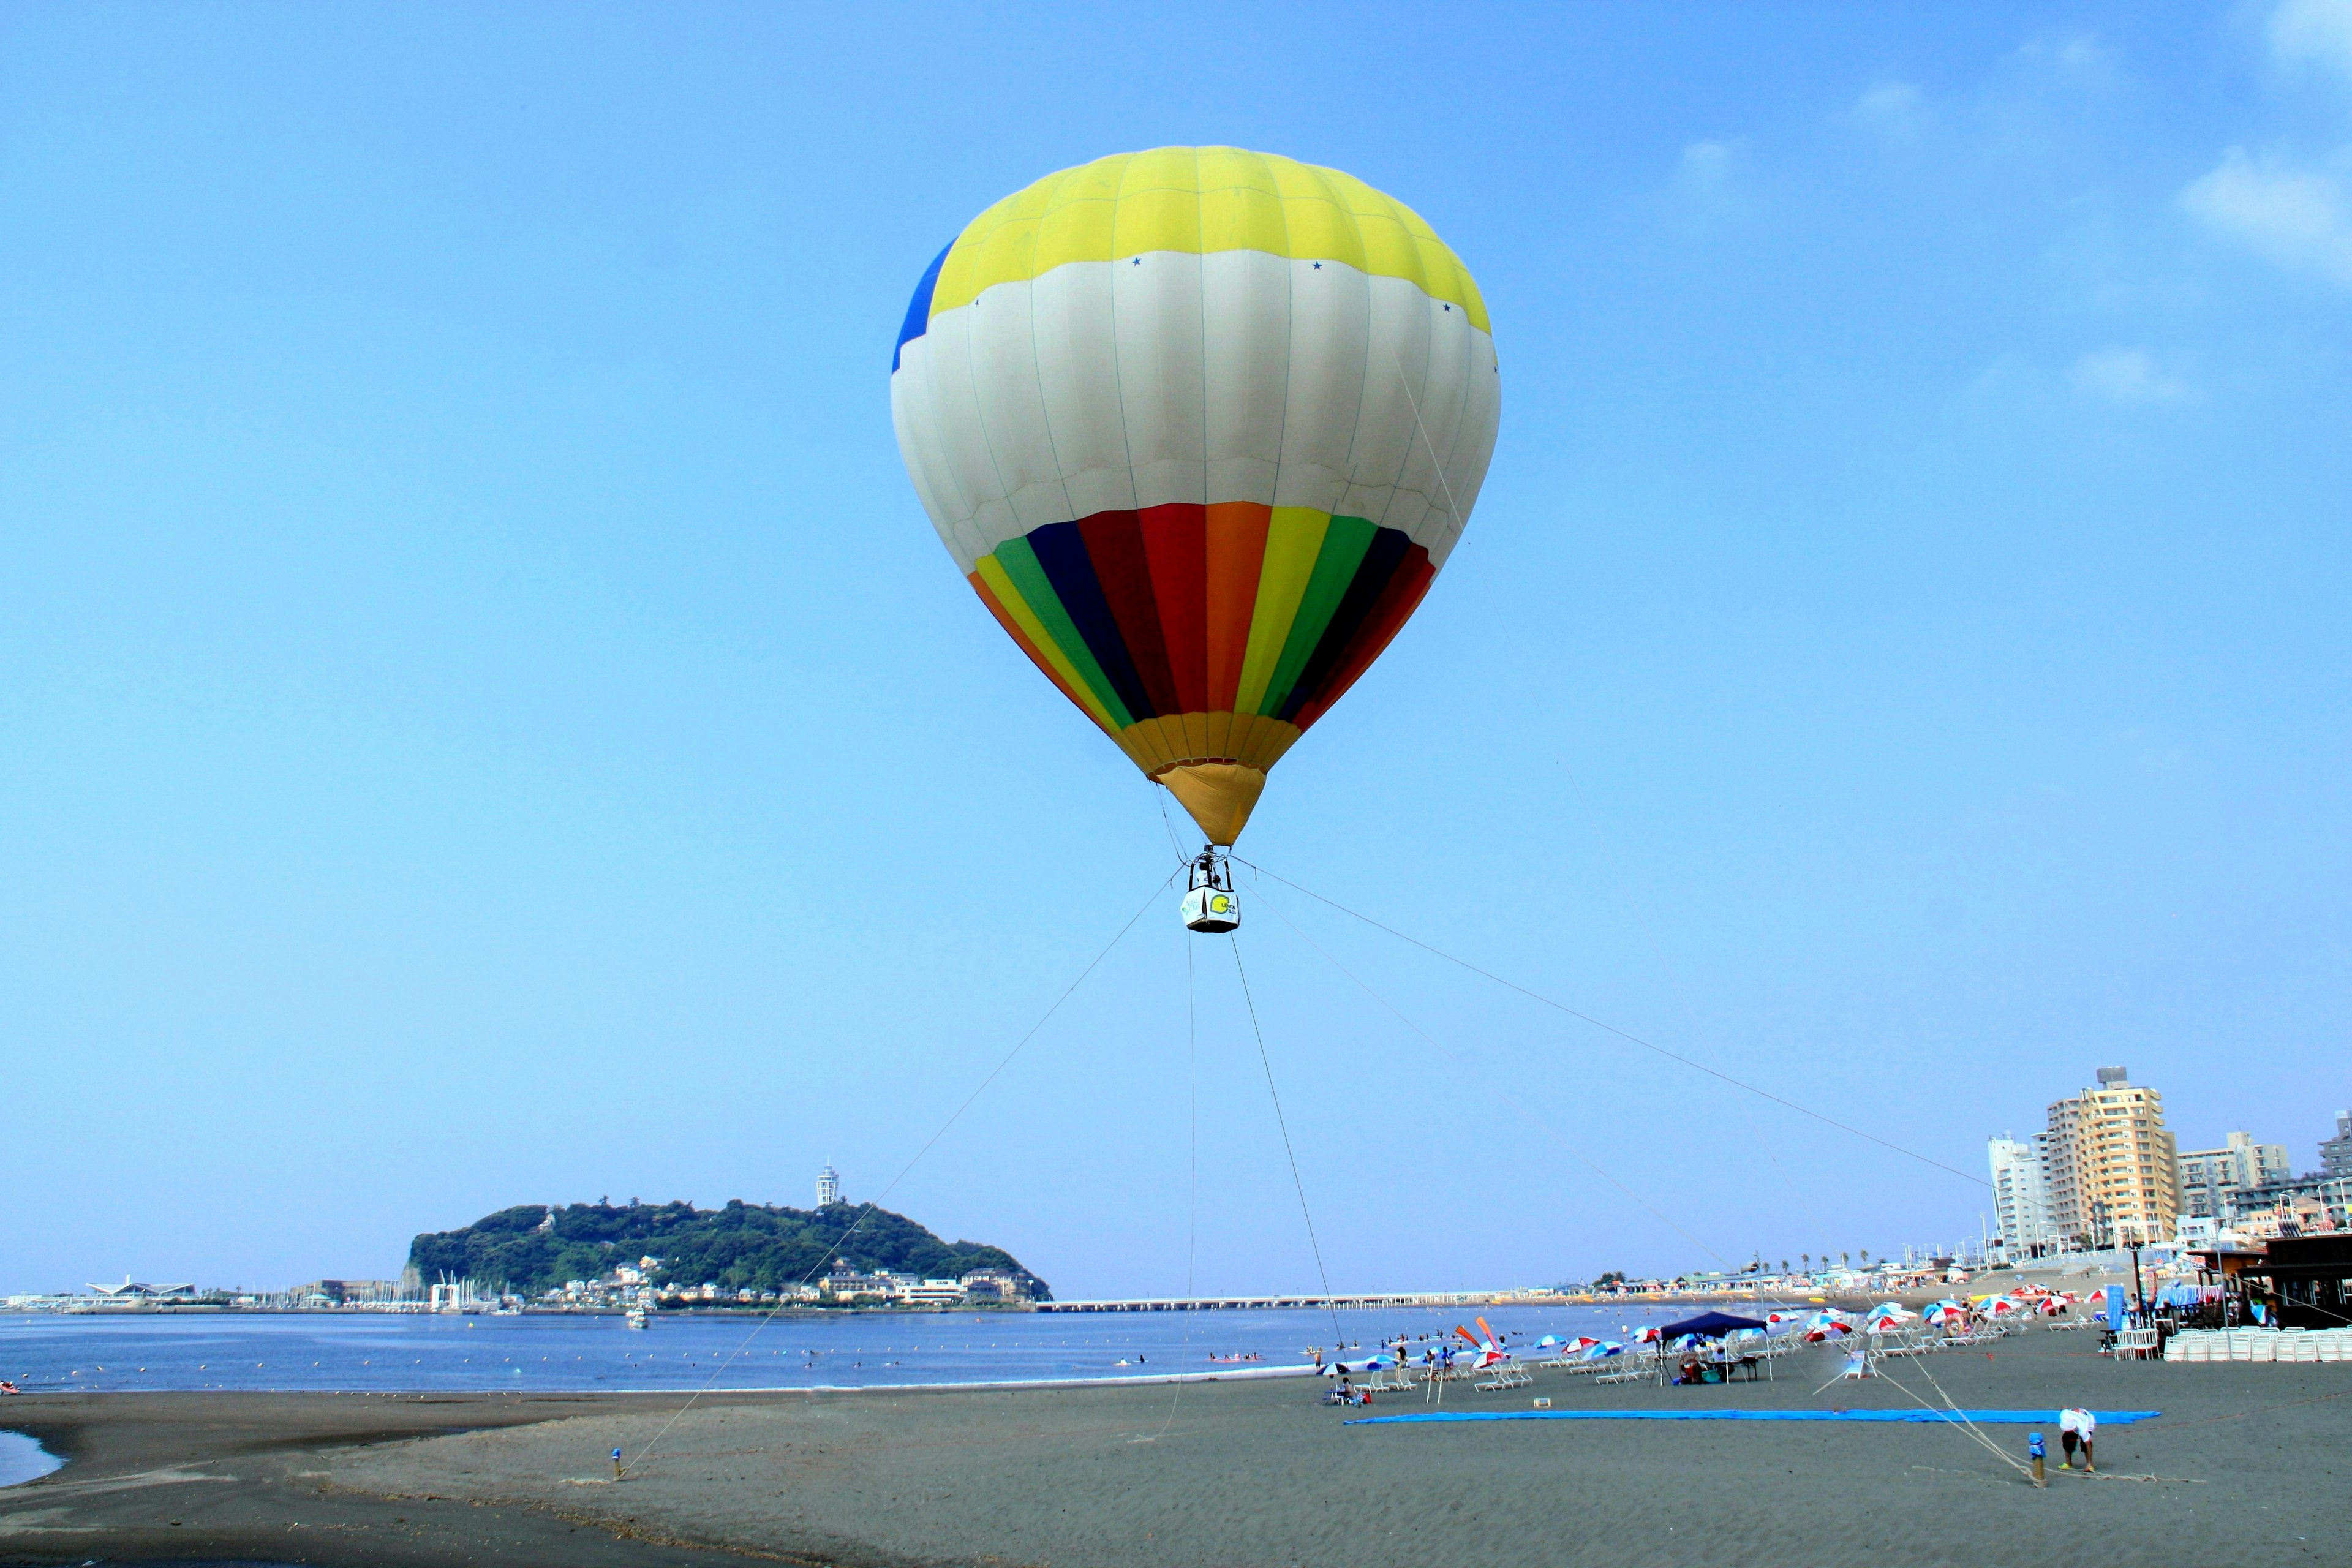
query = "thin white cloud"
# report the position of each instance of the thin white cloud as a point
(1893, 107)
(2300, 218)
(1712, 183)
(2080, 55)
(2314, 32)
(1707, 165)
(2133, 377)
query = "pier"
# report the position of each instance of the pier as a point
(1238, 1303)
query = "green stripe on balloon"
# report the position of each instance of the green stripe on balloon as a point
(1344, 543)
(1020, 563)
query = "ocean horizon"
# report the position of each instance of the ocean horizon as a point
(398, 1352)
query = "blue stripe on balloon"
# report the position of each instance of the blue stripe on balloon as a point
(918, 310)
(1061, 551)
(1372, 574)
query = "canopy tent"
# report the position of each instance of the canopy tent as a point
(1709, 1325)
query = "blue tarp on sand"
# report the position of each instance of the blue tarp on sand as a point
(1982, 1417)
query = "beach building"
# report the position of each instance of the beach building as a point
(2212, 1179)
(2335, 1153)
(2113, 1171)
(2022, 1195)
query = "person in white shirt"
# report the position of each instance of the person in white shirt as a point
(2075, 1426)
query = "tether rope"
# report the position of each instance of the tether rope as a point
(1191, 1181)
(1340, 1341)
(1499, 1093)
(1612, 1029)
(873, 1206)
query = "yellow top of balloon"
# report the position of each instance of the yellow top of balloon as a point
(1198, 200)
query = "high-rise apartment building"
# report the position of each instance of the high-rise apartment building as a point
(2111, 1170)
(2022, 1195)
(2335, 1153)
(2211, 1179)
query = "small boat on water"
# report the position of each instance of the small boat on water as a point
(638, 1318)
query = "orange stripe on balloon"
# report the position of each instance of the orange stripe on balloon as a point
(1236, 555)
(1013, 629)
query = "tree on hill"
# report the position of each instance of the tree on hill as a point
(757, 1245)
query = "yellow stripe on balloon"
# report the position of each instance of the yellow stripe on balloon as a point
(1294, 538)
(999, 583)
(1198, 200)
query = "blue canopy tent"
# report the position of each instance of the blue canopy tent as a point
(1710, 1326)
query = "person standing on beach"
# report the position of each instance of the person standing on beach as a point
(2077, 1425)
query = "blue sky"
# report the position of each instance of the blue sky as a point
(486, 721)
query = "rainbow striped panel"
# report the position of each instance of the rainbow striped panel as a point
(1200, 426)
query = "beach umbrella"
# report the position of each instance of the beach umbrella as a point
(1827, 1325)
(1604, 1350)
(2001, 1307)
(1199, 425)
(1648, 1336)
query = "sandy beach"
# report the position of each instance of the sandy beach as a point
(2245, 1461)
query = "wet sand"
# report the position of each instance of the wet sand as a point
(2250, 1462)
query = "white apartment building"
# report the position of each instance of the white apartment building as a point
(2211, 1179)
(2022, 1195)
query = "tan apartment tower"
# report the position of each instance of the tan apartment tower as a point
(2114, 1172)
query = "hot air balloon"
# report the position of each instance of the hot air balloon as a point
(1200, 426)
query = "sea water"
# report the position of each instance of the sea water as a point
(23, 1460)
(545, 1353)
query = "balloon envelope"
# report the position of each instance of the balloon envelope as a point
(1200, 426)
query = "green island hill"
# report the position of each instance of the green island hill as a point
(536, 1248)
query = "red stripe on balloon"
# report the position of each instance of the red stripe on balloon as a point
(1387, 617)
(1175, 547)
(1115, 546)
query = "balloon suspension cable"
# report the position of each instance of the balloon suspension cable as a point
(1339, 1339)
(1627, 1035)
(873, 1206)
(1502, 1094)
(1192, 1189)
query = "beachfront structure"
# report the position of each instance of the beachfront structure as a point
(828, 1187)
(2212, 1179)
(2335, 1153)
(2112, 1170)
(2022, 1195)
(133, 1292)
